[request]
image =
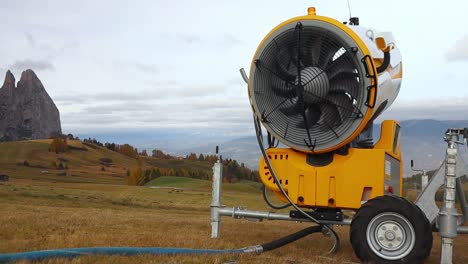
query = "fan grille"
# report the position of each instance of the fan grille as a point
(309, 86)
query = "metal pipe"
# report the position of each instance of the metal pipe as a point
(216, 199)
(244, 75)
(448, 213)
(239, 212)
(462, 230)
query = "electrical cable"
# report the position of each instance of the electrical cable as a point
(265, 197)
(258, 131)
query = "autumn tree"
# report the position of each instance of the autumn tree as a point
(137, 177)
(58, 145)
(201, 157)
(192, 156)
(127, 150)
(156, 153)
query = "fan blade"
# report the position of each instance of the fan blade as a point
(284, 91)
(293, 109)
(286, 66)
(312, 51)
(326, 54)
(312, 116)
(350, 86)
(343, 103)
(342, 58)
(316, 47)
(341, 72)
(330, 115)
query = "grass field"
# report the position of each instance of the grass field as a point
(94, 208)
(44, 215)
(83, 162)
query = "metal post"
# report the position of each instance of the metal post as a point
(216, 199)
(424, 180)
(448, 212)
(424, 177)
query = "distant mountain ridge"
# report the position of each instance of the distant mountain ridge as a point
(421, 141)
(26, 109)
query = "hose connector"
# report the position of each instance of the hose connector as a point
(257, 249)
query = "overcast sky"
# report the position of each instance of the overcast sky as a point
(174, 64)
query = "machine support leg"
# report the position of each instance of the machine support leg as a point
(448, 213)
(216, 199)
(461, 197)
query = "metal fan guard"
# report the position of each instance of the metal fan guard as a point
(281, 126)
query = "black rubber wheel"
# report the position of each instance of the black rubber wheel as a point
(390, 229)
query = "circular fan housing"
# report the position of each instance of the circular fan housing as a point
(309, 84)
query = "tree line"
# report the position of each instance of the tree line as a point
(140, 175)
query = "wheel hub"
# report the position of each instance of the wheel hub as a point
(390, 235)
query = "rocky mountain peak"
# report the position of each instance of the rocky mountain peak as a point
(27, 112)
(9, 82)
(29, 81)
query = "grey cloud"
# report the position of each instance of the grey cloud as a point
(136, 65)
(123, 97)
(81, 119)
(38, 65)
(235, 104)
(126, 97)
(184, 38)
(48, 49)
(231, 40)
(164, 91)
(199, 91)
(187, 38)
(69, 99)
(147, 68)
(459, 50)
(171, 115)
(30, 39)
(57, 52)
(118, 108)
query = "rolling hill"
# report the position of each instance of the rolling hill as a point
(82, 163)
(33, 160)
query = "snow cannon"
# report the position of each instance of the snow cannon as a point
(317, 85)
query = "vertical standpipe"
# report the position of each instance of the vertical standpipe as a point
(448, 213)
(216, 199)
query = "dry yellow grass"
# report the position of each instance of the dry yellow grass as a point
(38, 215)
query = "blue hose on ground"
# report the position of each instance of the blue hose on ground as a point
(122, 251)
(131, 251)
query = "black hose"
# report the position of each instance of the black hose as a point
(265, 197)
(385, 63)
(290, 238)
(258, 130)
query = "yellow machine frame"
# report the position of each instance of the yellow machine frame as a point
(348, 181)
